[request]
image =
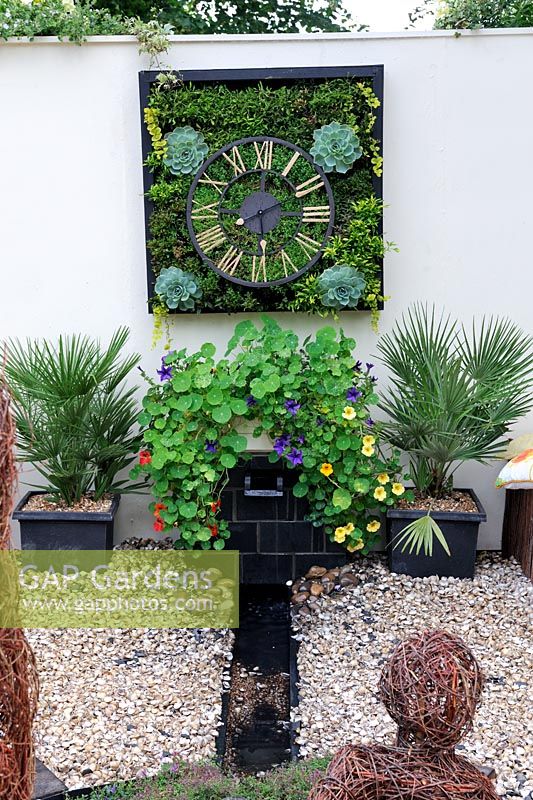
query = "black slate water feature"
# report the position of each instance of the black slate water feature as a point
(276, 545)
(258, 714)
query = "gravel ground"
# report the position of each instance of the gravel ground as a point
(346, 641)
(115, 703)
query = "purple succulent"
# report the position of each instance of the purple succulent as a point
(295, 456)
(369, 422)
(369, 366)
(374, 379)
(251, 401)
(211, 445)
(358, 365)
(353, 395)
(292, 406)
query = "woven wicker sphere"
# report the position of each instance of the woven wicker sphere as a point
(430, 687)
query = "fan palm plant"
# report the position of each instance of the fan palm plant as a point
(75, 417)
(453, 395)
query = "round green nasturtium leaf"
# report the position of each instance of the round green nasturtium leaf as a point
(300, 489)
(188, 510)
(361, 485)
(144, 418)
(272, 383)
(238, 406)
(215, 396)
(203, 535)
(187, 456)
(184, 402)
(210, 475)
(221, 414)
(342, 499)
(228, 460)
(160, 423)
(343, 442)
(181, 382)
(219, 544)
(208, 350)
(258, 389)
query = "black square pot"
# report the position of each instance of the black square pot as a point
(460, 530)
(65, 530)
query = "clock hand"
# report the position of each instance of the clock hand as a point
(242, 220)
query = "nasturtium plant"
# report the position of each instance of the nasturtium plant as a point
(312, 398)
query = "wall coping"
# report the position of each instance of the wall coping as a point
(244, 38)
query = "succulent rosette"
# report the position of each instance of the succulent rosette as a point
(336, 147)
(341, 286)
(186, 150)
(177, 288)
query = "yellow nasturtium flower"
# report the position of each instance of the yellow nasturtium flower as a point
(326, 469)
(383, 478)
(349, 528)
(380, 493)
(340, 534)
(398, 489)
(373, 526)
(357, 546)
(369, 441)
(349, 412)
(368, 450)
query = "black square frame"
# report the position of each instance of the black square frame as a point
(249, 77)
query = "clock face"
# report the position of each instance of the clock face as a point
(260, 212)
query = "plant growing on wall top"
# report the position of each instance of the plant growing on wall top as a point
(312, 398)
(287, 190)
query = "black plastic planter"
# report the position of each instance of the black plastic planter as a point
(460, 529)
(66, 530)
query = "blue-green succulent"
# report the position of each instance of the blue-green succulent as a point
(177, 288)
(336, 147)
(341, 287)
(186, 150)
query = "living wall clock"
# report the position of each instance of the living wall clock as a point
(260, 211)
(263, 189)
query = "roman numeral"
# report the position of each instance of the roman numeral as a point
(316, 214)
(235, 160)
(311, 185)
(287, 264)
(264, 155)
(211, 238)
(204, 212)
(215, 184)
(230, 261)
(291, 164)
(308, 245)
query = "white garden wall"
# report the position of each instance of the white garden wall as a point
(458, 183)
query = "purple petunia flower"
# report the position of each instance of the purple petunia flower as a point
(295, 456)
(281, 443)
(369, 366)
(165, 373)
(369, 422)
(251, 401)
(300, 439)
(353, 395)
(211, 445)
(292, 407)
(320, 421)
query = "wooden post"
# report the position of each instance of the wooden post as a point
(517, 535)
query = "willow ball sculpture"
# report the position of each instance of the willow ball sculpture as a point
(431, 686)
